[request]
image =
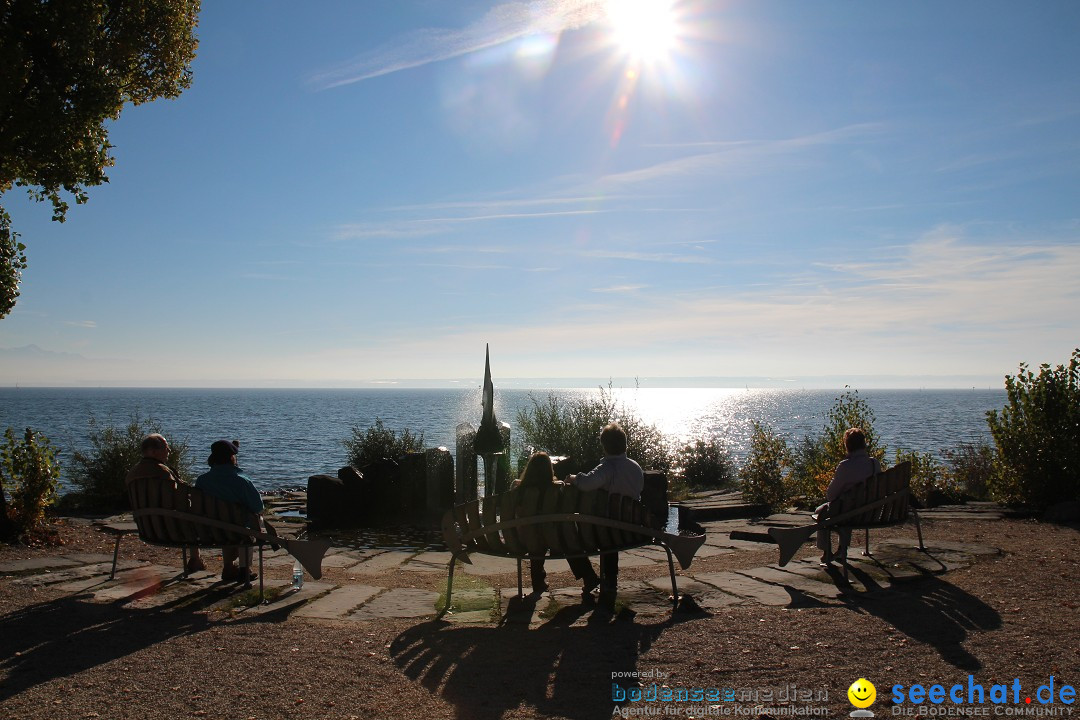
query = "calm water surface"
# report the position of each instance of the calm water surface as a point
(288, 435)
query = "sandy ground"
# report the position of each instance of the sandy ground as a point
(1013, 616)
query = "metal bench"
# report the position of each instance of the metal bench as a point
(557, 522)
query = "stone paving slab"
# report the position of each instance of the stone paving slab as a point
(490, 565)
(706, 596)
(398, 603)
(428, 562)
(746, 588)
(37, 563)
(68, 574)
(138, 581)
(338, 603)
(335, 560)
(387, 560)
(822, 586)
(86, 558)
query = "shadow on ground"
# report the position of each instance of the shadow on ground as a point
(925, 608)
(564, 668)
(68, 635)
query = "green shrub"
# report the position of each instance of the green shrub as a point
(99, 476)
(815, 458)
(1037, 436)
(971, 467)
(378, 442)
(764, 472)
(571, 427)
(927, 476)
(707, 463)
(29, 471)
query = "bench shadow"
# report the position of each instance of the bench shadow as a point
(558, 668)
(926, 608)
(68, 635)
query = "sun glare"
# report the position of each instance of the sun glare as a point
(643, 29)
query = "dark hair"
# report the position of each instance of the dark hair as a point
(613, 439)
(539, 471)
(854, 439)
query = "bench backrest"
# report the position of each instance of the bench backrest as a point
(893, 484)
(164, 529)
(559, 537)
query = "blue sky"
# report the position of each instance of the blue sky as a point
(364, 192)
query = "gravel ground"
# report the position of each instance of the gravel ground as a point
(1005, 617)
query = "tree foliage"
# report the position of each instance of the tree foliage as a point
(378, 442)
(707, 464)
(29, 471)
(571, 426)
(1037, 436)
(68, 67)
(100, 476)
(764, 473)
(815, 459)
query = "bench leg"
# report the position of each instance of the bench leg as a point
(262, 591)
(866, 550)
(918, 528)
(449, 587)
(674, 587)
(115, 555)
(520, 594)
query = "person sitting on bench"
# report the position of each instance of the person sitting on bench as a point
(226, 481)
(539, 473)
(155, 451)
(852, 470)
(619, 475)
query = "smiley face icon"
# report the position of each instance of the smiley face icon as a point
(862, 693)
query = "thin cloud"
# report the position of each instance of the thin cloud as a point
(744, 156)
(501, 24)
(81, 323)
(647, 257)
(620, 289)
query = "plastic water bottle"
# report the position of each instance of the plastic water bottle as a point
(297, 576)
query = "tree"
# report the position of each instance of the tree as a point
(67, 67)
(1037, 436)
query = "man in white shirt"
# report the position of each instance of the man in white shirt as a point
(619, 475)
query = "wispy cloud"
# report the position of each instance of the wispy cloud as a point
(501, 24)
(81, 323)
(742, 155)
(619, 289)
(425, 227)
(647, 257)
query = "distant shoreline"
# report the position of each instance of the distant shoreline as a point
(839, 383)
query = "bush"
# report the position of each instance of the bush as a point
(1037, 436)
(815, 458)
(707, 463)
(29, 471)
(571, 427)
(100, 475)
(378, 442)
(971, 467)
(763, 473)
(930, 483)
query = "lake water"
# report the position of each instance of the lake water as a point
(288, 435)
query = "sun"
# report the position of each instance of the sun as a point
(645, 30)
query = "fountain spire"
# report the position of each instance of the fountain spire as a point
(488, 438)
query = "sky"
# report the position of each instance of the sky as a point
(357, 194)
